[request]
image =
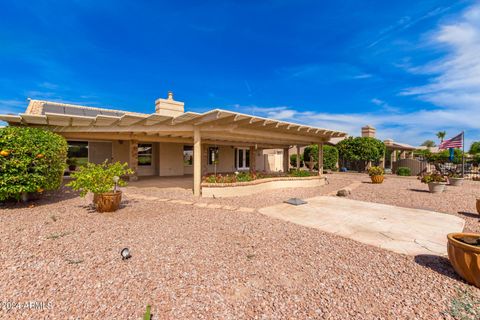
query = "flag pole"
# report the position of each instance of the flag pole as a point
(463, 154)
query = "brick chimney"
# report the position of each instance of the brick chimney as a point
(368, 131)
(169, 107)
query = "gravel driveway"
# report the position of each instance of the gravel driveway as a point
(198, 263)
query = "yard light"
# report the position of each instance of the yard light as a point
(125, 254)
(115, 179)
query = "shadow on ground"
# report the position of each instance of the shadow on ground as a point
(469, 214)
(438, 264)
(419, 190)
(37, 200)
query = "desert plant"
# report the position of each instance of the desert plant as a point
(404, 171)
(433, 177)
(99, 178)
(31, 160)
(375, 171)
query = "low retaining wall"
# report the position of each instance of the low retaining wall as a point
(238, 189)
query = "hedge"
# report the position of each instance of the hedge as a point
(31, 160)
(330, 156)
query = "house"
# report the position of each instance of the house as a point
(170, 141)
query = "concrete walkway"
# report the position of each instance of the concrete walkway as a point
(402, 230)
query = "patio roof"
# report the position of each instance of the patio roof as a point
(216, 125)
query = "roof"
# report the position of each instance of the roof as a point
(214, 124)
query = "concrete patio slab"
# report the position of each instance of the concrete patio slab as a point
(402, 230)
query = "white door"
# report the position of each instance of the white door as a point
(243, 158)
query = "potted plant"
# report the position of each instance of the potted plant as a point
(436, 182)
(72, 164)
(376, 174)
(464, 255)
(454, 179)
(102, 180)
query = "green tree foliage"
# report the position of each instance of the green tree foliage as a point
(428, 143)
(441, 135)
(361, 149)
(31, 160)
(475, 148)
(330, 156)
(443, 156)
(293, 160)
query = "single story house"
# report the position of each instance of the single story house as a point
(170, 141)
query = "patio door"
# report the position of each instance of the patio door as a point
(242, 158)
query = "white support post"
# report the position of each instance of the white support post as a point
(197, 161)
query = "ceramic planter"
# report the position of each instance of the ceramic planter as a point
(455, 181)
(436, 187)
(465, 258)
(377, 179)
(107, 202)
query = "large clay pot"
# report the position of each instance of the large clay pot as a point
(465, 258)
(455, 181)
(436, 187)
(107, 202)
(377, 179)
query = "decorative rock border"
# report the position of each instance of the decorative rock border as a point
(238, 189)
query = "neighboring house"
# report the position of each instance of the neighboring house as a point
(171, 142)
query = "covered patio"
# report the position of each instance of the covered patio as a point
(183, 182)
(158, 144)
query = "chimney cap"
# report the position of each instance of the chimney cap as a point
(170, 95)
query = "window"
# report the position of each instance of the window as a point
(213, 155)
(145, 154)
(187, 155)
(77, 154)
(242, 158)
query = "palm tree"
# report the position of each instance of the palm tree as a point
(441, 135)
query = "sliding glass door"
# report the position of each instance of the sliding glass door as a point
(242, 158)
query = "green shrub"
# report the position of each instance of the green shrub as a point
(31, 160)
(293, 160)
(98, 178)
(361, 149)
(404, 171)
(330, 156)
(300, 173)
(375, 171)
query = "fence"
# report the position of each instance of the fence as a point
(415, 166)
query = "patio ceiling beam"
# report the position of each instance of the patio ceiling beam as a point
(249, 139)
(133, 128)
(122, 136)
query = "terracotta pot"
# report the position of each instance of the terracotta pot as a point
(455, 181)
(478, 206)
(107, 202)
(465, 258)
(377, 179)
(436, 187)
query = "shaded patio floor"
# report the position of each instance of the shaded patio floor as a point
(184, 182)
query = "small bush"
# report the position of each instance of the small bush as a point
(31, 160)
(404, 171)
(98, 178)
(300, 173)
(293, 160)
(375, 171)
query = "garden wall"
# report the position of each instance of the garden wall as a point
(224, 190)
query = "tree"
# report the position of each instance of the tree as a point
(330, 156)
(475, 148)
(31, 160)
(428, 144)
(361, 149)
(441, 135)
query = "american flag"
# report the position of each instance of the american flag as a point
(455, 142)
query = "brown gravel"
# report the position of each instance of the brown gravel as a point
(197, 263)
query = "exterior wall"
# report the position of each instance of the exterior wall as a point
(120, 150)
(171, 159)
(226, 160)
(152, 169)
(98, 152)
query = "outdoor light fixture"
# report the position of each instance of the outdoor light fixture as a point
(116, 179)
(125, 254)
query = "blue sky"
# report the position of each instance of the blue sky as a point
(410, 68)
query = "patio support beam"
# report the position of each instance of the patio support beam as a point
(285, 160)
(133, 159)
(320, 159)
(253, 159)
(197, 161)
(298, 157)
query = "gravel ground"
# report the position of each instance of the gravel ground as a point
(197, 263)
(410, 192)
